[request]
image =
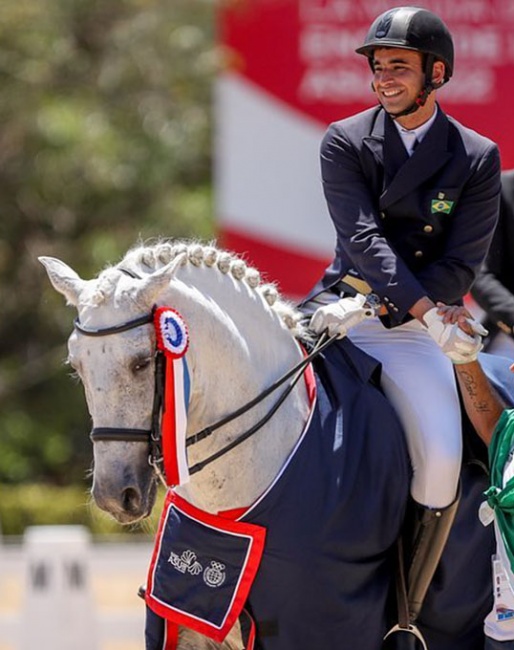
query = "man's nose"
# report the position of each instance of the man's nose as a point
(382, 76)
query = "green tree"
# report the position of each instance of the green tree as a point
(105, 138)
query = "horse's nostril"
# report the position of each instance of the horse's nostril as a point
(131, 500)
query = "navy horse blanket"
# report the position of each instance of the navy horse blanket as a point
(311, 564)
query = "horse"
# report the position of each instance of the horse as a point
(299, 515)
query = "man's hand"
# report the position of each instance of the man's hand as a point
(460, 315)
(340, 316)
(457, 334)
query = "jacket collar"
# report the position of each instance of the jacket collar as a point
(404, 173)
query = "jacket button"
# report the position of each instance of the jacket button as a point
(418, 254)
(382, 215)
(428, 228)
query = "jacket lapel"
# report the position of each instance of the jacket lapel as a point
(430, 155)
(375, 140)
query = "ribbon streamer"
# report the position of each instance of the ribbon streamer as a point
(173, 340)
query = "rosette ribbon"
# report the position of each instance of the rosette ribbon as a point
(173, 341)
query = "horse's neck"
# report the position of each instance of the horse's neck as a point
(237, 350)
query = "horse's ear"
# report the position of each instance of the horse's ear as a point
(64, 279)
(159, 280)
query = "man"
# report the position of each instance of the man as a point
(494, 287)
(494, 423)
(414, 199)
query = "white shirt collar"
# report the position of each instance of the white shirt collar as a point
(409, 137)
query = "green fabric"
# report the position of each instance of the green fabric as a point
(500, 498)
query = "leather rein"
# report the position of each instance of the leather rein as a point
(153, 436)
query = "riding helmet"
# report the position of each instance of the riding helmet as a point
(411, 28)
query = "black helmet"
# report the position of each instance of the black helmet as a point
(411, 28)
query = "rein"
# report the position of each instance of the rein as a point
(153, 436)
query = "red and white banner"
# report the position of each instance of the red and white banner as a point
(291, 70)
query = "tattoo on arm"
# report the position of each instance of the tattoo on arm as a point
(470, 386)
(481, 401)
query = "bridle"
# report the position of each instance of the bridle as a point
(153, 436)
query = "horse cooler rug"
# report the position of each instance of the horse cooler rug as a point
(311, 564)
(309, 561)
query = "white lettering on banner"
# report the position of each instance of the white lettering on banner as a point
(474, 11)
(323, 42)
(479, 43)
(332, 29)
(327, 10)
(471, 86)
(340, 84)
(346, 85)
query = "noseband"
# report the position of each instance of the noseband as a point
(153, 436)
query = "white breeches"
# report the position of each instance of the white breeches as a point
(419, 382)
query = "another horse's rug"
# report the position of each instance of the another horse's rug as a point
(321, 577)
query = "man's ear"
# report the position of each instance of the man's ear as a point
(438, 72)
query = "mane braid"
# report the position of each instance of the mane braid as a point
(150, 258)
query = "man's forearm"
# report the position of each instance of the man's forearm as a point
(482, 403)
(420, 308)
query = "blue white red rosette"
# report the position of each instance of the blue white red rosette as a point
(171, 331)
(173, 340)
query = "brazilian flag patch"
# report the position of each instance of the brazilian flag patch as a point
(438, 205)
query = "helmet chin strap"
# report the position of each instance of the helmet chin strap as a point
(420, 101)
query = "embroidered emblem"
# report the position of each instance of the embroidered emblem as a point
(384, 26)
(186, 562)
(439, 205)
(214, 575)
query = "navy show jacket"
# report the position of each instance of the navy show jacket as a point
(409, 226)
(494, 286)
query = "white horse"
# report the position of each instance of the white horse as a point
(243, 337)
(225, 307)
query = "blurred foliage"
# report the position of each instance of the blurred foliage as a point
(105, 139)
(33, 505)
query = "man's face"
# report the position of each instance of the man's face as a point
(398, 78)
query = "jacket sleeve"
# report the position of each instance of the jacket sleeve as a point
(490, 290)
(354, 212)
(451, 277)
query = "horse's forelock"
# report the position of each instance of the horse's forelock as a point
(103, 289)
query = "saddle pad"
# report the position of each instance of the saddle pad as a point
(202, 568)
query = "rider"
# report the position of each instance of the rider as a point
(413, 196)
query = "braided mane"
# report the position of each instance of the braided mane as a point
(150, 258)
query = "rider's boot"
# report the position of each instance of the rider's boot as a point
(430, 533)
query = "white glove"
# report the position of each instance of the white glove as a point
(339, 317)
(455, 343)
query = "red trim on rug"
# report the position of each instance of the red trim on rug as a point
(170, 635)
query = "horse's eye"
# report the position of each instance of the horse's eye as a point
(140, 365)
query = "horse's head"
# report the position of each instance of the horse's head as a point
(242, 338)
(112, 349)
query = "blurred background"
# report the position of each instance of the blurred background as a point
(105, 139)
(126, 120)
